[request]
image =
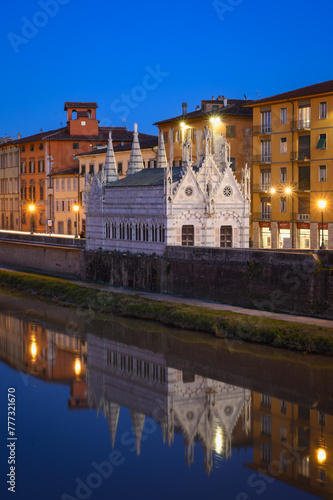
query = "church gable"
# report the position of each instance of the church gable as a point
(188, 189)
(228, 190)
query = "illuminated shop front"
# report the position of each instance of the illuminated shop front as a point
(265, 235)
(303, 235)
(284, 235)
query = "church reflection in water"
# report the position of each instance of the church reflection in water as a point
(202, 410)
(291, 442)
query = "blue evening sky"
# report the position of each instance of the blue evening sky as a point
(140, 60)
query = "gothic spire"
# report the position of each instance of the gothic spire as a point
(135, 163)
(162, 161)
(138, 421)
(111, 173)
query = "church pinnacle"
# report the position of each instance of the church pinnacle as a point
(135, 163)
(162, 161)
(111, 173)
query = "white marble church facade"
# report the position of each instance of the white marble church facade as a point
(190, 205)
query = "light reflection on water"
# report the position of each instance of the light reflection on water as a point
(142, 400)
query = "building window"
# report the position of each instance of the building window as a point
(265, 401)
(74, 184)
(63, 184)
(23, 167)
(188, 236)
(41, 192)
(265, 179)
(76, 145)
(283, 145)
(322, 173)
(69, 184)
(40, 165)
(283, 434)
(41, 217)
(100, 166)
(178, 135)
(226, 236)
(304, 466)
(68, 205)
(321, 142)
(266, 453)
(31, 167)
(41, 146)
(120, 168)
(83, 169)
(91, 169)
(266, 425)
(283, 115)
(266, 122)
(32, 147)
(283, 175)
(283, 406)
(57, 206)
(62, 205)
(322, 110)
(57, 184)
(166, 136)
(23, 149)
(304, 117)
(283, 204)
(230, 131)
(265, 151)
(83, 123)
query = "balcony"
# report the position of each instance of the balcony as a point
(263, 158)
(261, 188)
(262, 129)
(300, 156)
(301, 125)
(260, 216)
(301, 217)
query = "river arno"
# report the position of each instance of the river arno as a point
(108, 408)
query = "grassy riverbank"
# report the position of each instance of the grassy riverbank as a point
(283, 334)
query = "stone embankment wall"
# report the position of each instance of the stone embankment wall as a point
(293, 282)
(290, 281)
(48, 254)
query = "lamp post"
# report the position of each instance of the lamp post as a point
(32, 210)
(76, 208)
(322, 206)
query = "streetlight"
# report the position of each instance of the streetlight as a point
(32, 209)
(321, 455)
(322, 206)
(76, 208)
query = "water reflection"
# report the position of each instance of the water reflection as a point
(201, 409)
(291, 442)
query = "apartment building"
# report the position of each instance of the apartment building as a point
(293, 169)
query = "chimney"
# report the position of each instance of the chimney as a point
(213, 97)
(184, 105)
(225, 101)
(41, 130)
(18, 135)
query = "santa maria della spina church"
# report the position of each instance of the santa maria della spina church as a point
(197, 205)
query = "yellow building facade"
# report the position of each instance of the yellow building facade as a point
(293, 443)
(293, 169)
(226, 120)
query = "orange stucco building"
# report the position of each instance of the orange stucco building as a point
(50, 152)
